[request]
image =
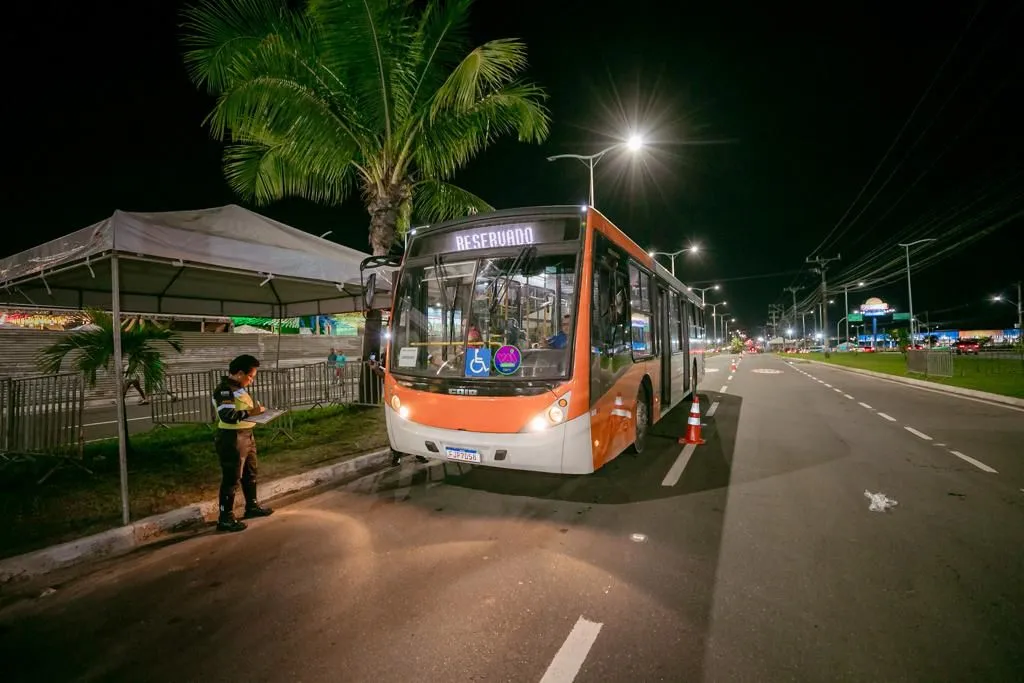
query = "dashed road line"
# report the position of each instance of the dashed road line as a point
(725, 387)
(890, 418)
(574, 650)
(977, 463)
(730, 377)
(837, 390)
(827, 385)
(916, 433)
(713, 409)
(865, 405)
(676, 471)
(848, 396)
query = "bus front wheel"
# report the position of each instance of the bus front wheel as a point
(641, 421)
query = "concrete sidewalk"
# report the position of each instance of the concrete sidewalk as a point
(125, 539)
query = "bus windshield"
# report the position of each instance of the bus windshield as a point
(488, 318)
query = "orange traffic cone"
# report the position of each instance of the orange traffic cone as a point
(693, 424)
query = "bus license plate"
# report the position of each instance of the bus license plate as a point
(462, 454)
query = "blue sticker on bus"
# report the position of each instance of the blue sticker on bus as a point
(478, 362)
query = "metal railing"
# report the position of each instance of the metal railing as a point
(184, 398)
(930, 363)
(42, 415)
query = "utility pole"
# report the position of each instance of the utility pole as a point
(822, 267)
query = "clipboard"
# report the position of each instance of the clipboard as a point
(264, 418)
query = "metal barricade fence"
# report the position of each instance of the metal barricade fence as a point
(43, 415)
(184, 398)
(930, 363)
(5, 402)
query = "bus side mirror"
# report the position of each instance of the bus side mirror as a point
(369, 290)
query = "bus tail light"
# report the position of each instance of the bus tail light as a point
(555, 414)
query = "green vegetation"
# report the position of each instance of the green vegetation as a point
(996, 375)
(381, 96)
(169, 468)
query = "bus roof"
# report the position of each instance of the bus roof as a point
(557, 211)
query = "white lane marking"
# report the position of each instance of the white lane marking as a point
(827, 385)
(713, 409)
(977, 463)
(574, 650)
(676, 471)
(917, 433)
(837, 390)
(724, 388)
(848, 396)
(890, 418)
(866, 405)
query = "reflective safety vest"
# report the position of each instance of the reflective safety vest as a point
(232, 403)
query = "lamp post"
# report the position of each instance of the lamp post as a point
(634, 143)
(846, 302)
(714, 313)
(725, 337)
(672, 255)
(702, 289)
(1020, 319)
(847, 331)
(910, 292)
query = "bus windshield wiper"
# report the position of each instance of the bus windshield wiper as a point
(520, 262)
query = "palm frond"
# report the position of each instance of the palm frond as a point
(484, 70)
(452, 140)
(368, 39)
(221, 34)
(434, 201)
(438, 45)
(264, 173)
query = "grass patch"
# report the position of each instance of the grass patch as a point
(167, 468)
(996, 375)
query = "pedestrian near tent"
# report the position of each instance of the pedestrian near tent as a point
(235, 443)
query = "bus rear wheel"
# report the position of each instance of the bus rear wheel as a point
(641, 421)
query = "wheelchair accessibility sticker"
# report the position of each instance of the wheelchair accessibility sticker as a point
(478, 362)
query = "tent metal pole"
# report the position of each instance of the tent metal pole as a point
(118, 378)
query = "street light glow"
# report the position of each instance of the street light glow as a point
(860, 284)
(695, 248)
(997, 297)
(789, 332)
(635, 142)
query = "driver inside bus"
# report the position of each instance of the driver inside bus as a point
(560, 340)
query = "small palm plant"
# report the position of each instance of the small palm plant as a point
(92, 349)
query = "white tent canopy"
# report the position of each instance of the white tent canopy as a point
(222, 261)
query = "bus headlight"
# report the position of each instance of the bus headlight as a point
(555, 414)
(396, 403)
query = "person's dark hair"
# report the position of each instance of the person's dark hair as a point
(244, 363)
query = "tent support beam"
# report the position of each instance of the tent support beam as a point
(118, 376)
(280, 324)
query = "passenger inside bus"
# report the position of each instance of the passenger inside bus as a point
(561, 339)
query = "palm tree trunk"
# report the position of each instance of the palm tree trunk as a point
(386, 213)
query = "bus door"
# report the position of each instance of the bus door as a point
(664, 347)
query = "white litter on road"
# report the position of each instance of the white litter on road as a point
(879, 501)
(725, 387)
(574, 650)
(638, 538)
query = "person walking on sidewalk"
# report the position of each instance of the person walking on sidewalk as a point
(235, 443)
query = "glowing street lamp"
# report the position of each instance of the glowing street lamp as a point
(672, 255)
(702, 289)
(634, 144)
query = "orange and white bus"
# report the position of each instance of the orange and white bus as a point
(537, 339)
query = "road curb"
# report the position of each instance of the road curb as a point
(122, 540)
(934, 386)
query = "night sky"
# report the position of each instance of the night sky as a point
(765, 122)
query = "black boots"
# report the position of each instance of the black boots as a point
(253, 510)
(230, 524)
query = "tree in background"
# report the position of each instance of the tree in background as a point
(374, 95)
(901, 336)
(92, 349)
(736, 345)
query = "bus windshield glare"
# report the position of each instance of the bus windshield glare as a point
(488, 318)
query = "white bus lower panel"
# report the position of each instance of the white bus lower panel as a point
(563, 449)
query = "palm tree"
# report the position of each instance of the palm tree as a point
(370, 94)
(94, 350)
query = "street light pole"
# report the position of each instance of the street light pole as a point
(714, 320)
(910, 291)
(672, 255)
(702, 290)
(590, 160)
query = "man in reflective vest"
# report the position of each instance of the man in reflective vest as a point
(235, 443)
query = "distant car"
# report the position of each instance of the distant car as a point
(966, 346)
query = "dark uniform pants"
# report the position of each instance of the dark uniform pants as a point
(236, 450)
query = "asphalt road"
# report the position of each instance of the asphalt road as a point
(760, 562)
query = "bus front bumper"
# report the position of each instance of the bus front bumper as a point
(563, 449)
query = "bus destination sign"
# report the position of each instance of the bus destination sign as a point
(496, 236)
